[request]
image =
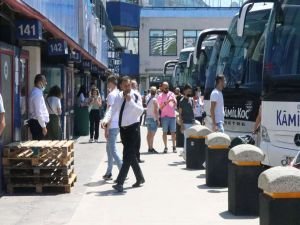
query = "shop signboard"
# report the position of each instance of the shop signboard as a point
(57, 47)
(75, 56)
(87, 64)
(28, 29)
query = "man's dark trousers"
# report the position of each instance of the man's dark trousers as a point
(138, 154)
(36, 130)
(130, 142)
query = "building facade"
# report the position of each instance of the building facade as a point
(68, 41)
(164, 32)
(151, 32)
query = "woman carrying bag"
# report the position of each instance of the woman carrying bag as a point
(95, 104)
(53, 103)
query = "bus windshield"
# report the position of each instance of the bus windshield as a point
(283, 43)
(183, 56)
(241, 58)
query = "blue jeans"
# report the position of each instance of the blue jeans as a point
(111, 149)
(168, 124)
(186, 126)
(151, 125)
(220, 127)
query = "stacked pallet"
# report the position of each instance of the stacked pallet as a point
(39, 166)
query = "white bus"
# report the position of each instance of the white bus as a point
(183, 70)
(240, 61)
(280, 126)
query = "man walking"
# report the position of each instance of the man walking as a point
(38, 112)
(2, 116)
(111, 128)
(167, 104)
(217, 105)
(152, 119)
(128, 107)
(186, 113)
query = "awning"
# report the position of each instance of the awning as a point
(26, 10)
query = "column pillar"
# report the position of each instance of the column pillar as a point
(34, 63)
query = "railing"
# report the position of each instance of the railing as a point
(184, 3)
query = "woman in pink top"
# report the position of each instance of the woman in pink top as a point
(167, 104)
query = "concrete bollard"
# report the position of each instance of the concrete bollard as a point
(195, 146)
(217, 159)
(243, 173)
(279, 204)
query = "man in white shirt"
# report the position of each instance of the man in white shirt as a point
(39, 116)
(217, 105)
(111, 128)
(128, 106)
(2, 116)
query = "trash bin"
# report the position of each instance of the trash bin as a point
(279, 204)
(195, 146)
(81, 121)
(217, 160)
(243, 173)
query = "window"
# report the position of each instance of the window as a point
(163, 43)
(190, 38)
(129, 40)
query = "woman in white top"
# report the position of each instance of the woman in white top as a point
(95, 103)
(81, 97)
(152, 118)
(53, 102)
(198, 107)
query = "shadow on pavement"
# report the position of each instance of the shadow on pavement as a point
(188, 169)
(177, 163)
(87, 142)
(205, 187)
(96, 184)
(216, 191)
(201, 176)
(228, 216)
(111, 192)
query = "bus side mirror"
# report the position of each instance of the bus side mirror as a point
(242, 19)
(279, 15)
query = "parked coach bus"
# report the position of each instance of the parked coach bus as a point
(280, 126)
(240, 60)
(184, 70)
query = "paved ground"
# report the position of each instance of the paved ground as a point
(171, 195)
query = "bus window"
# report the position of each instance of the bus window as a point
(236, 55)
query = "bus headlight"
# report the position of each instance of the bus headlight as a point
(264, 134)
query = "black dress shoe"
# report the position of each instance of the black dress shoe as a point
(154, 151)
(141, 161)
(138, 183)
(118, 188)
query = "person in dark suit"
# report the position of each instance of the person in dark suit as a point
(128, 105)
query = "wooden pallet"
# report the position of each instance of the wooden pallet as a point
(29, 160)
(39, 179)
(39, 170)
(37, 148)
(43, 188)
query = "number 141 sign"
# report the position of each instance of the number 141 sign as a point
(29, 29)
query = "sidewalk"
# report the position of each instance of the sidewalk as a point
(171, 195)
